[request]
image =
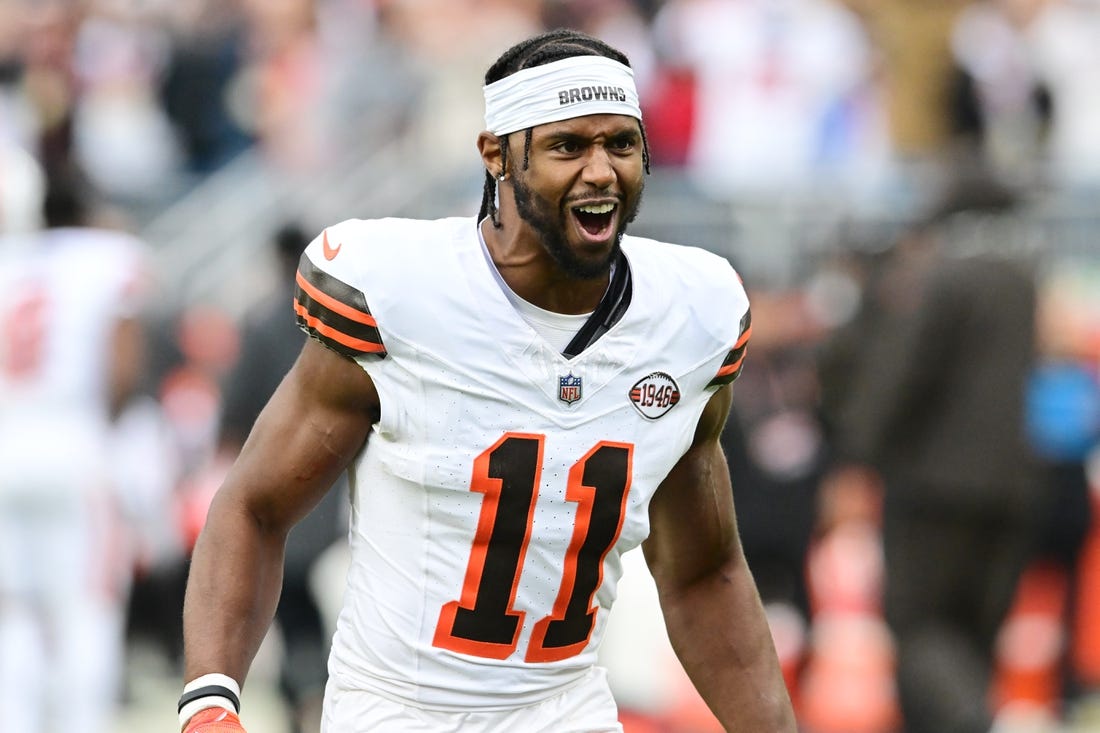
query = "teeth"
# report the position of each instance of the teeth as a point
(596, 208)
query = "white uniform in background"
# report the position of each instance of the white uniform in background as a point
(62, 573)
(503, 481)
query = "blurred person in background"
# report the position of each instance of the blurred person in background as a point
(190, 350)
(78, 83)
(933, 412)
(912, 47)
(777, 88)
(622, 23)
(287, 71)
(122, 136)
(1062, 44)
(23, 187)
(201, 85)
(44, 83)
(1063, 426)
(1000, 104)
(71, 357)
(542, 393)
(270, 341)
(444, 40)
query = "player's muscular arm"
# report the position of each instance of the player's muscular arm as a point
(314, 424)
(711, 606)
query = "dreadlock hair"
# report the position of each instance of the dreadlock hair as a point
(544, 48)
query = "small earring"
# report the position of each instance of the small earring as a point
(501, 176)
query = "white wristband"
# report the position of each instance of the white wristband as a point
(230, 701)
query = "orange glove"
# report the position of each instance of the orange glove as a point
(214, 720)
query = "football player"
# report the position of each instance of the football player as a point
(519, 398)
(71, 356)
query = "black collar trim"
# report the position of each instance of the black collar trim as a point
(611, 308)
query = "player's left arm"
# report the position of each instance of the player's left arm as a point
(127, 364)
(711, 606)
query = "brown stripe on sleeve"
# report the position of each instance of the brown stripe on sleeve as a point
(335, 313)
(731, 365)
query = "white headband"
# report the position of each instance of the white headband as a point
(572, 87)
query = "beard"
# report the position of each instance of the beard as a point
(550, 225)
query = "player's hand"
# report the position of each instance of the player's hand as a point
(214, 720)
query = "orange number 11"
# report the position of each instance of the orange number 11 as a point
(484, 622)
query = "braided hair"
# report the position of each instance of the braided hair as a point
(542, 49)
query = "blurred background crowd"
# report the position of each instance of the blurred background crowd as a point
(909, 188)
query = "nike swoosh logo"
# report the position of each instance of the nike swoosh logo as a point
(329, 251)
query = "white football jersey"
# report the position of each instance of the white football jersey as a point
(503, 481)
(61, 293)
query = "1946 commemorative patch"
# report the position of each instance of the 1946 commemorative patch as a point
(655, 394)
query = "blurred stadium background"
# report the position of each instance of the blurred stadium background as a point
(795, 137)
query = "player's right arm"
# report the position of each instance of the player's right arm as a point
(313, 426)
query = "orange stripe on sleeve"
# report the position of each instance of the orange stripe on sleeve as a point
(730, 368)
(744, 339)
(328, 331)
(335, 305)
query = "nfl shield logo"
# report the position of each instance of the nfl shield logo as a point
(569, 389)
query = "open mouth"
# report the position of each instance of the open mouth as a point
(595, 219)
